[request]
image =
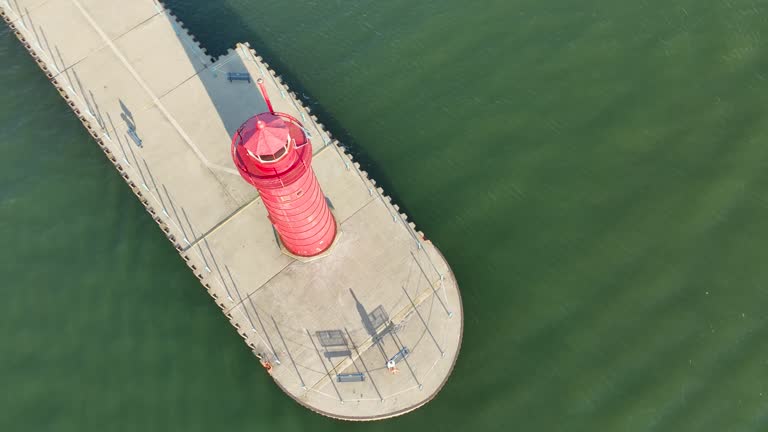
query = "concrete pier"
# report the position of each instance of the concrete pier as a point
(164, 112)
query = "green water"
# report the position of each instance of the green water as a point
(595, 171)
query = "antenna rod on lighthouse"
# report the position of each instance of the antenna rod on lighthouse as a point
(260, 81)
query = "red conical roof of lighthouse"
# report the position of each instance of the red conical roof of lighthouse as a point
(269, 135)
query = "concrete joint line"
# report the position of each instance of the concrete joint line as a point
(222, 223)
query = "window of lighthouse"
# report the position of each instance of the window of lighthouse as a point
(275, 156)
(278, 154)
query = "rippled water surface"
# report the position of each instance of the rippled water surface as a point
(595, 171)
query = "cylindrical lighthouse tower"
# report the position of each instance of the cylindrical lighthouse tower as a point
(272, 152)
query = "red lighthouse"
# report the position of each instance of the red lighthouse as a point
(273, 153)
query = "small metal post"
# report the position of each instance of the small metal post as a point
(263, 90)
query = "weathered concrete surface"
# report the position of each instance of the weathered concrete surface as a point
(164, 112)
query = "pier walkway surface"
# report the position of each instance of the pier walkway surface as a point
(164, 112)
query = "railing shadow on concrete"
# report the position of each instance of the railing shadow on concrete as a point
(255, 310)
(288, 351)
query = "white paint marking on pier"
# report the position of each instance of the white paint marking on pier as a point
(154, 97)
(220, 63)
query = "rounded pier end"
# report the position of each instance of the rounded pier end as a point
(356, 382)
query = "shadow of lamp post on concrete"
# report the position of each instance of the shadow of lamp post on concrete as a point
(127, 117)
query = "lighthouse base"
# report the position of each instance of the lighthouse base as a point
(322, 254)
